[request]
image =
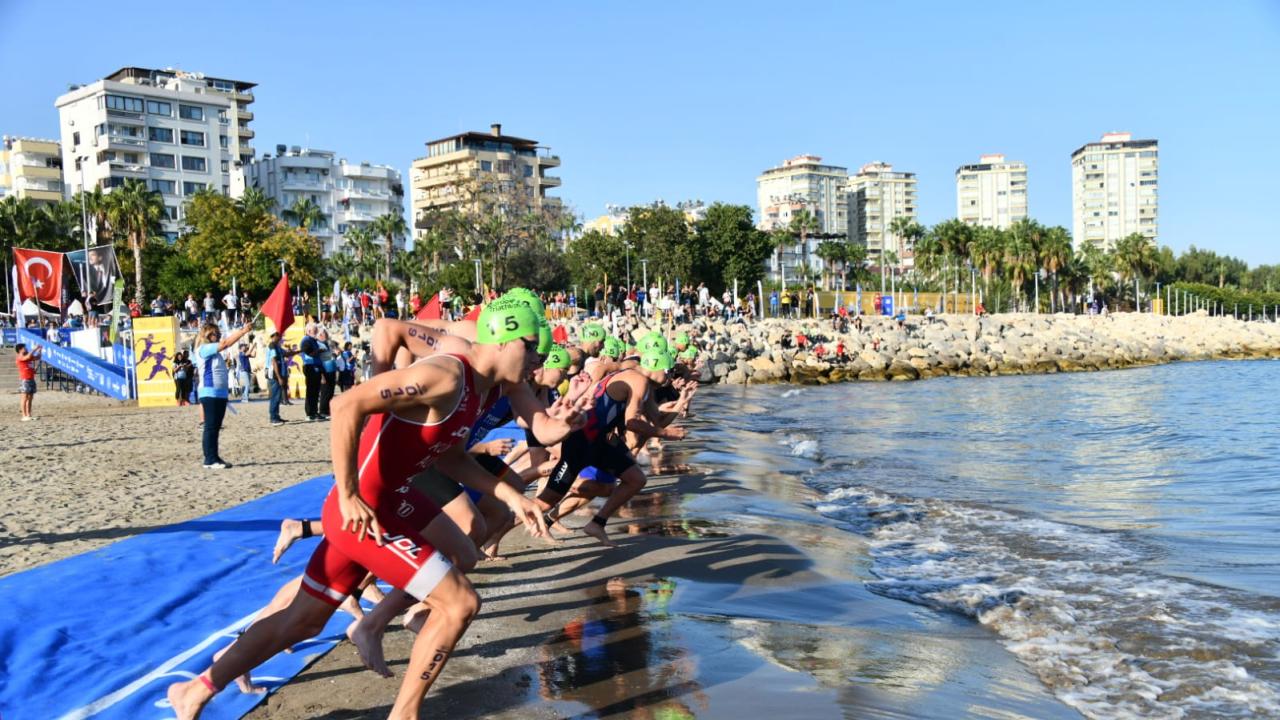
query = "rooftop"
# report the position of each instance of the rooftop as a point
(139, 73)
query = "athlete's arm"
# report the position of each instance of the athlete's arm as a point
(637, 422)
(456, 463)
(532, 413)
(394, 391)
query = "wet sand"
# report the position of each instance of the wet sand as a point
(726, 597)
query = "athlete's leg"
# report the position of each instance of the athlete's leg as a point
(454, 605)
(583, 492)
(292, 531)
(630, 482)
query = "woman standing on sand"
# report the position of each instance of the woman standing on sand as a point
(213, 387)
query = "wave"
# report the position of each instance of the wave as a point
(1079, 606)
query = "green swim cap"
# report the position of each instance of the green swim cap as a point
(689, 353)
(526, 294)
(557, 358)
(653, 341)
(503, 322)
(612, 348)
(592, 332)
(683, 339)
(656, 360)
(545, 341)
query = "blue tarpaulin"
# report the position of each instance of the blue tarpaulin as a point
(103, 634)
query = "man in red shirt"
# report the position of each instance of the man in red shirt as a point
(26, 378)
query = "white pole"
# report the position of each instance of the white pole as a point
(760, 298)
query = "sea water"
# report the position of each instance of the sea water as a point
(1118, 531)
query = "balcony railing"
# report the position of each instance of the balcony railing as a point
(128, 169)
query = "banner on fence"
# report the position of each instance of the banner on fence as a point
(155, 342)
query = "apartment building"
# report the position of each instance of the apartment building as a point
(877, 195)
(31, 169)
(802, 183)
(177, 131)
(992, 192)
(350, 195)
(1115, 189)
(474, 169)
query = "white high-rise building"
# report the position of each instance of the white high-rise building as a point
(877, 195)
(1114, 190)
(350, 195)
(177, 131)
(802, 183)
(991, 193)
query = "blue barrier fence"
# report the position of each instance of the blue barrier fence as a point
(106, 378)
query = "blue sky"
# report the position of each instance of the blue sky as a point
(692, 100)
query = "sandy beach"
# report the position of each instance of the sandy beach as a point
(722, 600)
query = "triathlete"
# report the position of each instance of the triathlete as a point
(373, 519)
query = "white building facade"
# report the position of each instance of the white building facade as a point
(802, 183)
(1115, 190)
(178, 132)
(877, 195)
(350, 195)
(992, 192)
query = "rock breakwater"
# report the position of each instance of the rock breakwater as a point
(775, 351)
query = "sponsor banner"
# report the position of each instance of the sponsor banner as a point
(155, 342)
(94, 372)
(290, 342)
(98, 276)
(117, 310)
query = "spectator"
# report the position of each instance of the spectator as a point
(347, 368)
(328, 370)
(244, 369)
(192, 308)
(276, 378)
(229, 302)
(311, 371)
(26, 378)
(183, 372)
(210, 307)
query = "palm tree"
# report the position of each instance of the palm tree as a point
(831, 252)
(1019, 256)
(364, 246)
(1055, 251)
(390, 226)
(22, 224)
(781, 239)
(905, 227)
(137, 212)
(305, 214)
(986, 252)
(803, 223)
(1135, 257)
(255, 202)
(96, 205)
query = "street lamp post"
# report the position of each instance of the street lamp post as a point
(84, 228)
(477, 263)
(627, 245)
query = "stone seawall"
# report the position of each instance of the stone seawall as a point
(1013, 344)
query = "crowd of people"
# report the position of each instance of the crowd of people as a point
(422, 493)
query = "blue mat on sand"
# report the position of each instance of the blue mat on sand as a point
(103, 634)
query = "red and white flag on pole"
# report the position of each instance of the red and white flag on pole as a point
(39, 275)
(430, 311)
(279, 307)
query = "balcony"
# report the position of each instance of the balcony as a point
(128, 169)
(296, 183)
(246, 115)
(127, 116)
(243, 96)
(548, 181)
(125, 142)
(348, 193)
(41, 195)
(548, 160)
(37, 171)
(245, 132)
(365, 170)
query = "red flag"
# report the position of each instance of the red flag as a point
(39, 275)
(430, 311)
(279, 307)
(474, 313)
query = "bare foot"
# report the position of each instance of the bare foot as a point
(188, 698)
(290, 532)
(351, 606)
(596, 531)
(561, 528)
(368, 642)
(244, 682)
(415, 617)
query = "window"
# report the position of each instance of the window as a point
(223, 85)
(131, 157)
(226, 191)
(528, 171)
(194, 163)
(112, 182)
(191, 112)
(191, 188)
(161, 160)
(171, 212)
(99, 130)
(120, 102)
(193, 138)
(224, 166)
(167, 187)
(157, 134)
(1148, 182)
(485, 166)
(1147, 153)
(342, 228)
(155, 107)
(222, 141)
(75, 138)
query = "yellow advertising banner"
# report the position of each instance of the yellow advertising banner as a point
(155, 342)
(289, 343)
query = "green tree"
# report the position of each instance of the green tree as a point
(1021, 254)
(908, 232)
(246, 246)
(363, 246)
(303, 213)
(255, 203)
(136, 213)
(986, 252)
(1135, 258)
(833, 253)
(728, 247)
(595, 258)
(62, 223)
(1055, 251)
(660, 234)
(803, 224)
(22, 224)
(391, 227)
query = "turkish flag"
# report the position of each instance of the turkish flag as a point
(39, 275)
(279, 307)
(430, 311)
